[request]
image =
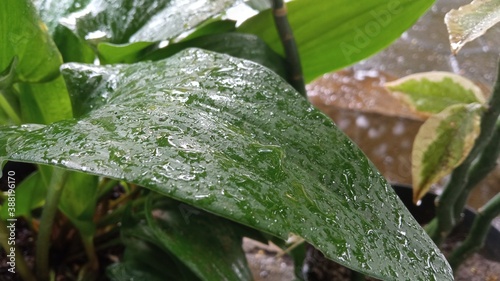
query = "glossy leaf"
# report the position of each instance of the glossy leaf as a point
(22, 34)
(245, 46)
(52, 11)
(209, 245)
(45, 103)
(71, 47)
(471, 21)
(442, 143)
(342, 32)
(231, 137)
(128, 21)
(432, 92)
(143, 260)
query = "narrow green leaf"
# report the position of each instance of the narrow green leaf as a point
(45, 103)
(432, 92)
(78, 201)
(471, 21)
(22, 34)
(442, 143)
(9, 105)
(122, 53)
(334, 34)
(30, 194)
(231, 137)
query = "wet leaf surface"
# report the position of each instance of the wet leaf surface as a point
(127, 21)
(232, 138)
(471, 21)
(442, 143)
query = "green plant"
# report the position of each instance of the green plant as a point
(462, 135)
(192, 119)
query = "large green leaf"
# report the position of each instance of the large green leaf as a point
(127, 21)
(22, 34)
(231, 137)
(45, 103)
(333, 34)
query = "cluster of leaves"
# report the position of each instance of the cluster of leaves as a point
(200, 115)
(462, 135)
(455, 105)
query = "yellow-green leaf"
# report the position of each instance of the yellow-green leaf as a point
(442, 143)
(471, 21)
(432, 92)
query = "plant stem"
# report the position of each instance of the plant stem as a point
(479, 230)
(459, 177)
(486, 163)
(21, 265)
(8, 105)
(288, 41)
(49, 211)
(89, 271)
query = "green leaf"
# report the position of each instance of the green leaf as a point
(30, 194)
(471, 21)
(245, 46)
(232, 138)
(52, 11)
(209, 245)
(442, 143)
(432, 92)
(9, 105)
(45, 103)
(144, 260)
(128, 21)
(78, 201)
(22, 34)
(134, 52)
(71, 47)
(123, 53)
(335, 34)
